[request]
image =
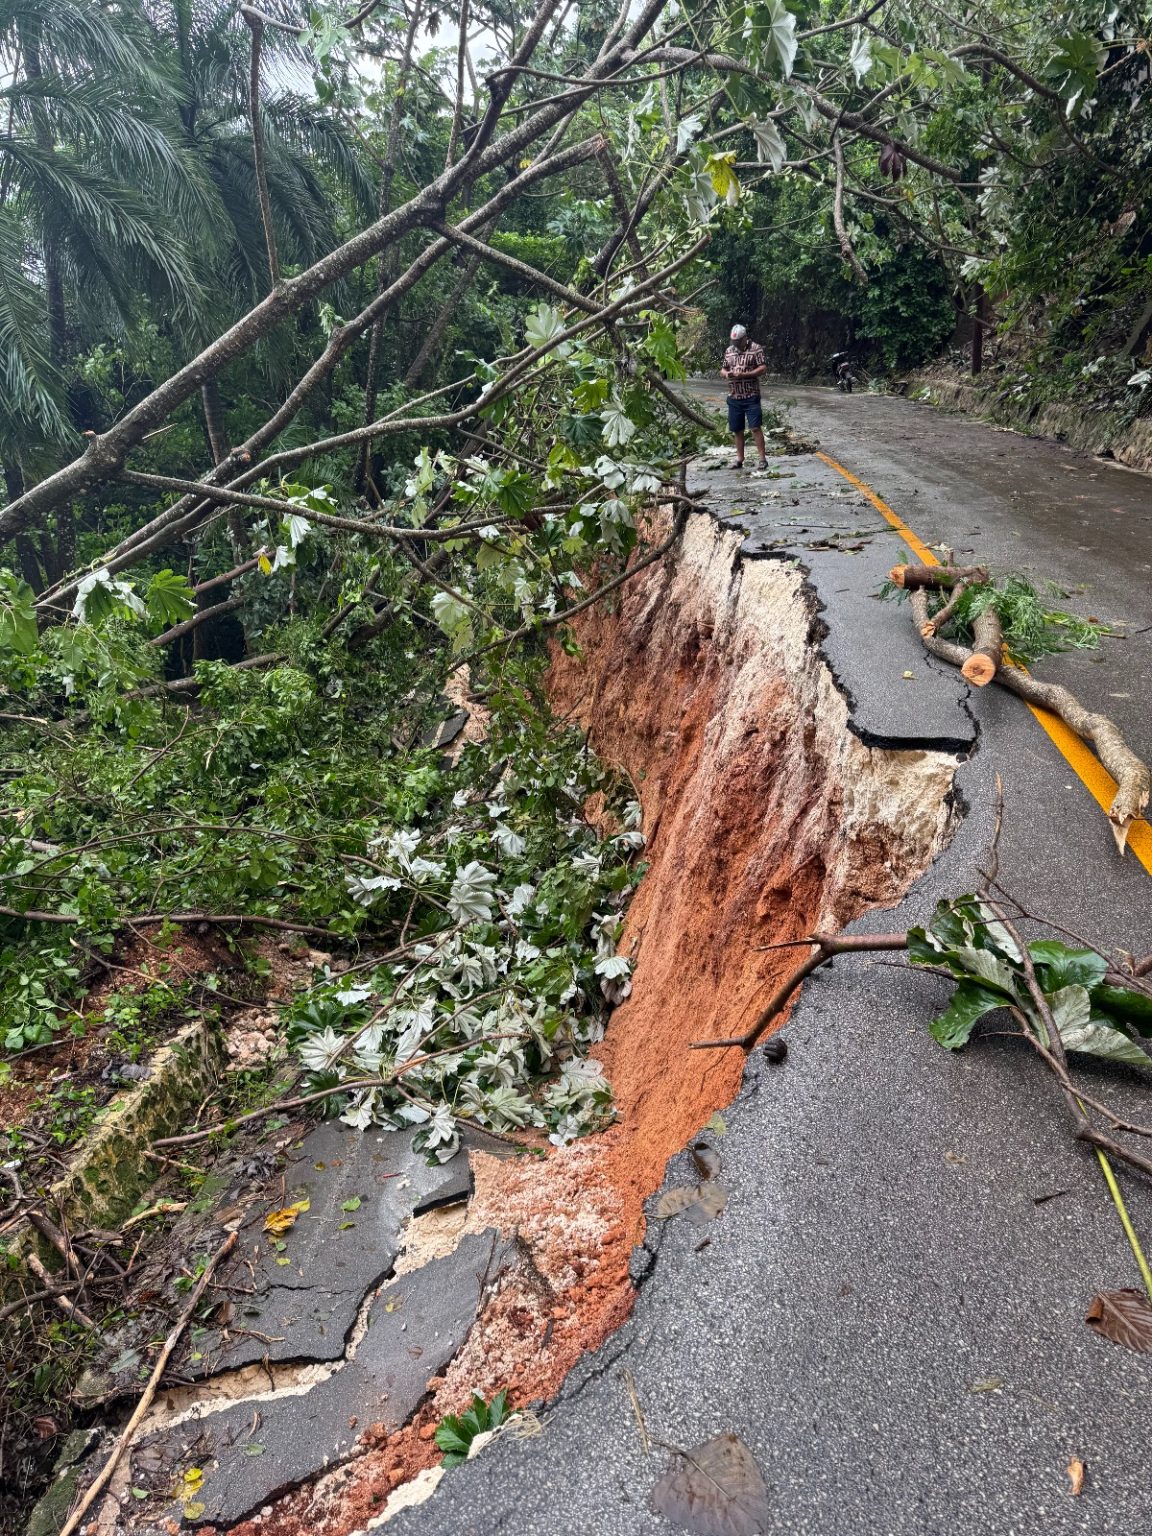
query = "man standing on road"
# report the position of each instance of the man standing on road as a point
(743, 364)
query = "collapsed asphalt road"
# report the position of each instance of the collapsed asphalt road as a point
(885, 1314)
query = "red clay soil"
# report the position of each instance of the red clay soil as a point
(739, 824)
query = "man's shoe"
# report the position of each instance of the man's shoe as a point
(739, 464)
(763, 464)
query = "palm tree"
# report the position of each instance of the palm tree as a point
(92, 195)
(128, 190)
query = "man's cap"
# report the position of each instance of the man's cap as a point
(737, 333)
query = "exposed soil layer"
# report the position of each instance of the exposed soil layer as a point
(765, 817)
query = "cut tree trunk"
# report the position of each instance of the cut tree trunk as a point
(910, 577)
(987, 649)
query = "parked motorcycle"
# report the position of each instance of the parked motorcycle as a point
(845, 378)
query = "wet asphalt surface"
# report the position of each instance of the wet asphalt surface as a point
(884, 1314)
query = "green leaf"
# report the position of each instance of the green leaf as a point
(18, 629)
(725, 182)
(772, 34)
(970, 1002)
(351, 1205)
(986, 967)
(1058, 966)
(543, 325)
(1126, 1006)
(1071, 1010)
(770, 146)
(169, 598)
(1104, 1042)
(951, 924)
(860, 58)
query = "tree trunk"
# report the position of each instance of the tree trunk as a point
(441, 323)
(214, 420)
(383, 208)
(978, 322)
(987, 649)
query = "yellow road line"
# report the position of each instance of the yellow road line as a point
(1088, 769)
(920, 550)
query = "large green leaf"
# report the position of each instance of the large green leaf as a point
(1058, 966)
(1109, 1044)
(970, 1002)
(1125, 1005)
(985, 966)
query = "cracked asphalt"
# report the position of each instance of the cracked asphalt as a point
(884, 1313)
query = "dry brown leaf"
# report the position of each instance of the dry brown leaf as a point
(675, 1201)
(1124, 1316)
(707, 1160)
(709, 1203)
(703, 1202)
(715, 1490)
(279, 1222)
(1076, 1476)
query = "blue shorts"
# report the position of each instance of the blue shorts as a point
(743, 413)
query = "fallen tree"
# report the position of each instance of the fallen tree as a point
(983, 661)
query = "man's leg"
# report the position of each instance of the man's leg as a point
(736, 427)
(755, 418)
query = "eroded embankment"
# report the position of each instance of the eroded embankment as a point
(765, 817)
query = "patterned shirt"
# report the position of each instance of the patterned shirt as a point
(751, 357)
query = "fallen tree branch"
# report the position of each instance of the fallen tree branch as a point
(826, 947)
(57, 1292)
(48, 1293)
(938, 620)
(911, 577)
(847, 249)
(1132, 777)
(987, 649)
(249, 919)
(124, 1439)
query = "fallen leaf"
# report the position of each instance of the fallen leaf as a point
(351, 1205)
(986, 1384)
(1123, 1316)
(715, 1490)
(717, 1124)
(709, 1203)
(283, 1263)
(707, 1160)
(45, 1426)
(1076, 1477)
(140, 1493)
(253, 1450)
(703, 1202)
(675, 1201)
(284, 1220)
(194, 1510)
(955, 1158)
(908, 676)
(193, 1476)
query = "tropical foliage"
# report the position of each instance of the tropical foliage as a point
(340, 355)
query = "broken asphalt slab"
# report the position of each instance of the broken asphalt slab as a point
(899, 698)
(249, 1450)
(307, 1285)
(295, 1297)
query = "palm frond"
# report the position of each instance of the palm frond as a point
(31, 388)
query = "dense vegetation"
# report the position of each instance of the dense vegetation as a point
(374, 360)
